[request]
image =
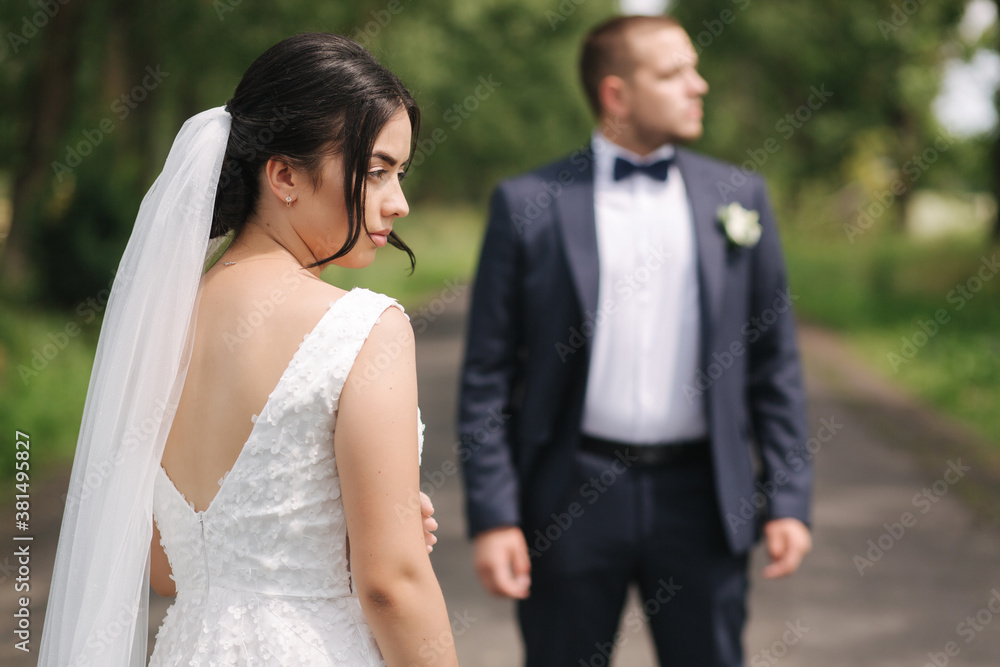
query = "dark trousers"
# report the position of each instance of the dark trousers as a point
(657, 527)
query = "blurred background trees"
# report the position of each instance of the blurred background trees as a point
(881, 163)
(94, 92)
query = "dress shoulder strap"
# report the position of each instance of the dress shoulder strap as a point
(347, 329)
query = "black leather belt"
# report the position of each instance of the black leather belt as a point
(671, 453)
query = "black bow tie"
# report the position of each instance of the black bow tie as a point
(657, 170)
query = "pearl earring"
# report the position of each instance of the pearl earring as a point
(288, 201)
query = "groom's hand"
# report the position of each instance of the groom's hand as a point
(502, 563)
(788, 540)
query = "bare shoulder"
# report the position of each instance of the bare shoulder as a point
(391, 337)
(277, 300)
(266, 288)
(393, 322)
(386, 359)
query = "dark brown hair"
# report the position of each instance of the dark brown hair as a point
(606, 51)
(305, 98)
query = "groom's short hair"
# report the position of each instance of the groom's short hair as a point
(606, 51)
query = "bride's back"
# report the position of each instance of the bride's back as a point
(251, 319)
(303, 167)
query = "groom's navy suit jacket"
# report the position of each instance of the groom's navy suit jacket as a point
(534, 305)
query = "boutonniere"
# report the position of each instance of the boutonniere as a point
(742, 227)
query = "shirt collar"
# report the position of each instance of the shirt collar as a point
(606, 151)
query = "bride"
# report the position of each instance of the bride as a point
(250, 440)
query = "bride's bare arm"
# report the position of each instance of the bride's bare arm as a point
(159, 567)
(375, 443)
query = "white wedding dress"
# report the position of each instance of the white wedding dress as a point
(262, 573)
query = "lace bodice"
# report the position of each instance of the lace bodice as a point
(262, 573)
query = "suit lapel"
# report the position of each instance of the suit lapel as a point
(711, 244)
(577, 222)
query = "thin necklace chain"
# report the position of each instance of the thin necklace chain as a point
(254, 259)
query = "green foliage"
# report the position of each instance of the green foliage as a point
(497, 85)
(919, 312)
(79, 243)
(493, 78)
(842, 89)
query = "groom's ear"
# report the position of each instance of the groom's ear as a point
(612, 91)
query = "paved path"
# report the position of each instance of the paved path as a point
(893, 474)
(907, 604)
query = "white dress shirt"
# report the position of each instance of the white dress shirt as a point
(646, 335)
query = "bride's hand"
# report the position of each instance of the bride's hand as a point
(430, 525)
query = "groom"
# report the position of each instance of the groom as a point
(631, 408)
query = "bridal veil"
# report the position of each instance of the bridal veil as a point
(97, 610)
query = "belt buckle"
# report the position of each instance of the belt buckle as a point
(647, 455)
(661, 455)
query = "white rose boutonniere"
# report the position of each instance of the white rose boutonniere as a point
(742, 227)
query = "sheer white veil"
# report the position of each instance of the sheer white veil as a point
(97, 611)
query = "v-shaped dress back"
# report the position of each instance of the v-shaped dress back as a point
(262, 573)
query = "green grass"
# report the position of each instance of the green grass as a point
(45, 373)
(879, 290)
(46, 400)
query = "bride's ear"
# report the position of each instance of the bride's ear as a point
(282, 179)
